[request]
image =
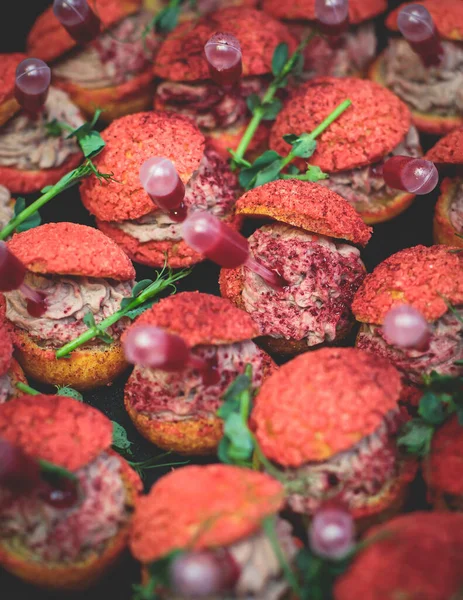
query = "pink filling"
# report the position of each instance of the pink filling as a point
(456, 209)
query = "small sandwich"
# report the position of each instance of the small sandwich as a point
(443, 468)
(10, 371)
(434, 94)
(352, 51)
(304, 245)
(114, 71)
(58, 530)
(353, 149)
(215, 511)
(31, 156)
(416, 556)
(187, 88)
(177, 410)
(79, 271)
(431, 281)
(328, 420)
(448, 216)
(127, 214)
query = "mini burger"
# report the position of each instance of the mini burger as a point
(418, 555)
(350, 53)
(328, 420)
(448, 216)
(434, 94)
(214, 513)
(114, 71)
(199, 7)
(443, 468)
(353, 149)
(127, 214)
(57, 532)
(186, 86)
(304, 244)
(78, 270)
(31, 157)
(10, 371)
(431, 281)
(177, 410)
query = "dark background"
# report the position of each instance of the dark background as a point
(411, 228)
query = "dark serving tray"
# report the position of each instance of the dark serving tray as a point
(411, 228)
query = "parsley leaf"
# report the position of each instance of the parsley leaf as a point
(34, 220)
(121, 443)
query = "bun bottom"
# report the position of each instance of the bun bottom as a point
(444, 231)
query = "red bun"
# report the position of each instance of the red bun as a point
(58, 429)
(446, 14)
(71, 249)
(449, 149)
(419, 276)
(199, 507)
(8, 103)
(359, 10)
(443, 470)
(367, 131)
(6, 347)
(312, 207)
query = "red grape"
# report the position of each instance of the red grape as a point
(61, 494)
(418, 28)
(205, 573)
(78, 19)
(404, 326)
(161, 182)
(413, 175)
(12, 271)
(153, 347)
(223, 55)
(331, 533)
(332, 16)
(18, 472)
(32, 82)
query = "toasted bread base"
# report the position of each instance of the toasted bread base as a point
(7, 109)
(444, 231)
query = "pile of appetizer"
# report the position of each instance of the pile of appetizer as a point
(313, 410)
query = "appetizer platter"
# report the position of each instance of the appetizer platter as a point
(231, 300)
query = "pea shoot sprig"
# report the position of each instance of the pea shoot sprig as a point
(144, 294)
(91, 144)
(167, 18)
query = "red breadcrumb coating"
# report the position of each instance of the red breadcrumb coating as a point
(448, 149)
(359, 10)
(71, 249)
(446, 14)
(419, 276)
(181, 56)
(200, 507)
(367, 131)
(58, 429)
(130, 141)
(443, 469)
(323, 402)
(8, 64)
(415, 556)
(6, 347)
(200, 319)
(48, 39)
(307, 205)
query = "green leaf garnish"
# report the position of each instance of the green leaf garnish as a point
(88, 138)
(415, 437)
(53, 470)
(32, 220)
(153, 463)
(159, 579)
(69, 392)
(53, 128)
(121, 443)
(269, 527)
(279, 58)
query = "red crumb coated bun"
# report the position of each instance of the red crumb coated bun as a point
(323, 402)
(200, 319)
(443, 468)
(443, 230)
(181, 56)
(359, 10)
(48, 39)
(130, 141)
(446, 14)
(448, 150)
(419, 276)
(200, 507)
(367, 131)
(8, 104)
(416, 556)
(71, 249)
(6, 347)
(58, 429)
(307, 205)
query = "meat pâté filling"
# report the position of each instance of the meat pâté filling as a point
(68, 300)
(41, 532)
(456, 208)
(322, 276)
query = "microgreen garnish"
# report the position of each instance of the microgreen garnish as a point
(153, 463)
(269, 527)
(283, 65)
(144, 295)
(443, 397)
(65, 390)
(166, 19)
(50, 469)
(32, 221)
(27, 389)
(159, 578)
(269, 165)
(121, 443)
(91, 144)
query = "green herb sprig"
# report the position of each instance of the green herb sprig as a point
(159, 578)
(60, 391)
(166, 19)
(91, 144)
(144, 295)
